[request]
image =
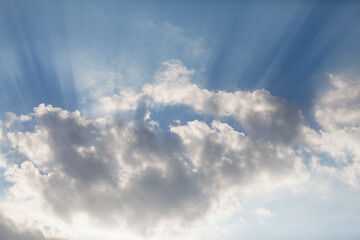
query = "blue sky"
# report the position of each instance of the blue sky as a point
(283, 75)
(285, 47)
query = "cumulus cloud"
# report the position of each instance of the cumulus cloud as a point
(130, 173)
(110, 172)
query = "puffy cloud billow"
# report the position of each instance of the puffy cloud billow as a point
(68, 173)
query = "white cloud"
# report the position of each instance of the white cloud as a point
(339, 106)
(262, 115)
(127, 100)
(127, 173)
(263, 212)
(232, 158)
(77, 173)
(12, 118)
(337, 110)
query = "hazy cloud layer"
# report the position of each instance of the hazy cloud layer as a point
(110, 172)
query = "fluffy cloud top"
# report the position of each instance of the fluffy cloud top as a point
(110, 172)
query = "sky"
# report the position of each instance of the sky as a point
(179, 120)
